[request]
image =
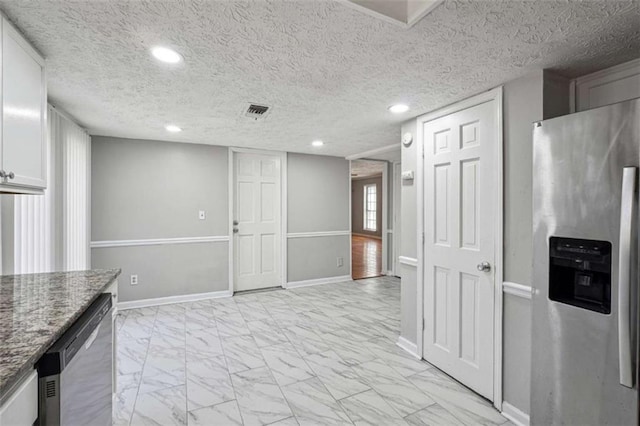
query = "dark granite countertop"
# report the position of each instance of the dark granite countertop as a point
(36, 309)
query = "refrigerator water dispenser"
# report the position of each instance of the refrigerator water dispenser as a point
(580, 273)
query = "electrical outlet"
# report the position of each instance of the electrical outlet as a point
(340, 262)
(134, 280)
(202, 215)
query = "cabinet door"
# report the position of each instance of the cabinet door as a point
(23, 111)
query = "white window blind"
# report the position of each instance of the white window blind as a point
(51, 232)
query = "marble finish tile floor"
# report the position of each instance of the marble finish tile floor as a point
(323, 355)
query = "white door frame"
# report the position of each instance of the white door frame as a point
(494, 95)
(385, 217)
(283, 210)
(396, 182)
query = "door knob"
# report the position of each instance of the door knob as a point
(235, 223)
(484, 266)
(235, 230)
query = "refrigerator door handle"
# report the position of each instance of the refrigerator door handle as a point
(624, 276)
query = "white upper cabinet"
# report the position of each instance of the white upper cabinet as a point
(24, 108)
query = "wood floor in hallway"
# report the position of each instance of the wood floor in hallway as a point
(366, 255)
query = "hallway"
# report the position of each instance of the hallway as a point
(366, 255)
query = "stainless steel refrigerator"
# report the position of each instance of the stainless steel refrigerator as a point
(585, 268)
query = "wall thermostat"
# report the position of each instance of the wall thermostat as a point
(407, 138)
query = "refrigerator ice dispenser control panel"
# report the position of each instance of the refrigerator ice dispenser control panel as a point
(580, 273)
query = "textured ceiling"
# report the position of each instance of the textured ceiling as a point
(364, 168)
(394, 155)
(328, 71)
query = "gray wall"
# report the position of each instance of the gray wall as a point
(522, 106)
(408, 240)
(154, 189)
(357, 205)
(318, 193)
(318, 201)
(536, 96)
(167, 270)
(149, 189)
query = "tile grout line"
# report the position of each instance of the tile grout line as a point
(144, 363)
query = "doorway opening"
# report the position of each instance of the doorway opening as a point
(367, 218)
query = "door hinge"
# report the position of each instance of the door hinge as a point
(422, 324)
(423, 238)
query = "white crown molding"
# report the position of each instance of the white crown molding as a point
(620, 68)
(517, 416)
(319, 281)
(516, 289)
(409, 261)
(317, 234)
(373, 152)
(373, 13)
(143, 303)
(422, 12)
(158, 241)
(409, 347)
(409, 21)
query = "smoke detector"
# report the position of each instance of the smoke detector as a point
(257, 111)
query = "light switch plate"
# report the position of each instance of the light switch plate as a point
(408, 175)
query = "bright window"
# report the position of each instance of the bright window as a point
(370, 219)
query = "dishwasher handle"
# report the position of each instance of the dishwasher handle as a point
(92, 338)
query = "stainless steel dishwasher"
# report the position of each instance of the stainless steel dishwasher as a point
(75, 374)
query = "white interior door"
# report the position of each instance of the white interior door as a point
(257, 221)
(459, 207)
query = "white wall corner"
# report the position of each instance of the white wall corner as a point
(512, 413)
(409, 347)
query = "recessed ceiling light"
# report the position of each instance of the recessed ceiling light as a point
(317, 143)
(172, 128)
(165, 54)
(398, 108)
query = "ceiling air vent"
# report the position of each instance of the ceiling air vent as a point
(257, 112)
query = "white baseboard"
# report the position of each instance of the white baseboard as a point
(515, 415)
(318, 281)
(143, 303)
(411, 348)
